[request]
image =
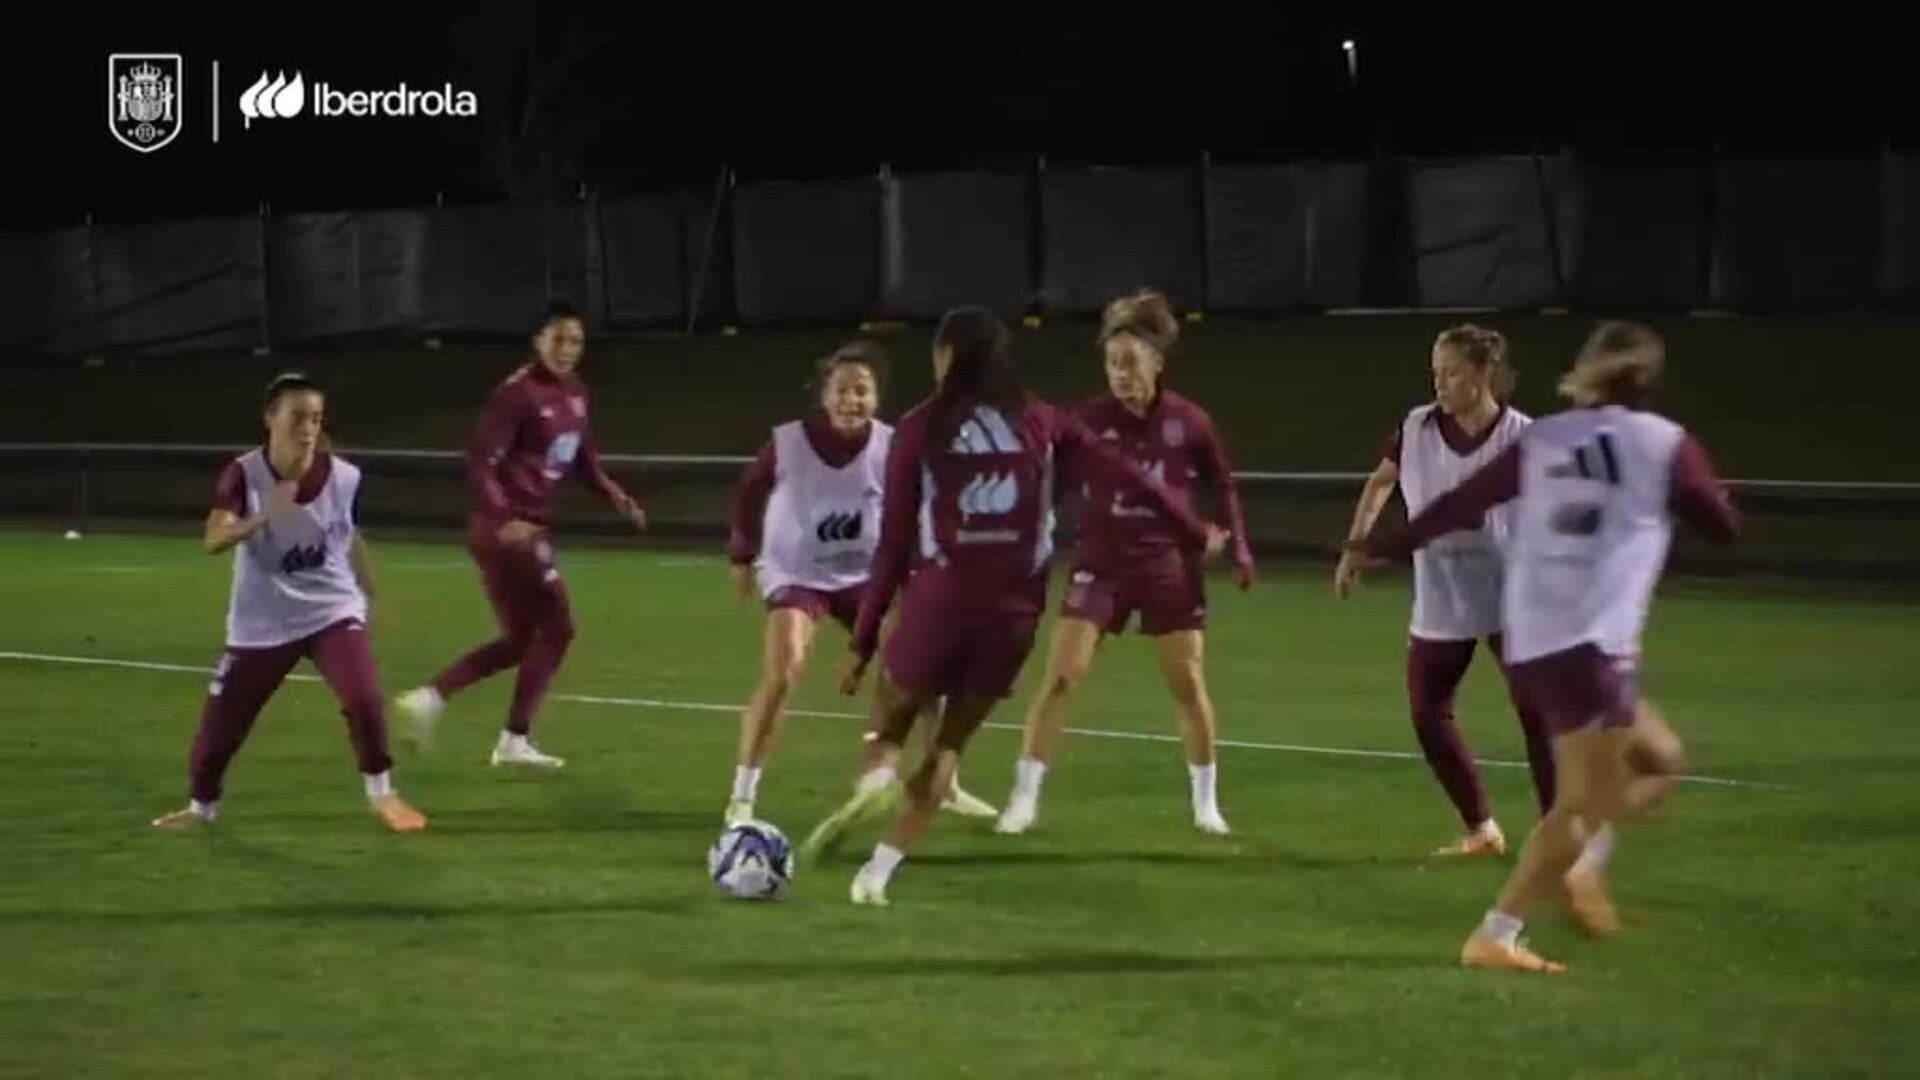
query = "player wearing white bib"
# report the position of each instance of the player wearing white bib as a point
(1593, 491)
(289, 512)
(806, 519)
(1456, 579)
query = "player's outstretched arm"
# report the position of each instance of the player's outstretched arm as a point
(1226, 494)
(898, 522)
(1374, 495)
(1464, 507)
(591, 472)
(1084, 454)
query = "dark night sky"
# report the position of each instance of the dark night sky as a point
(654, 97)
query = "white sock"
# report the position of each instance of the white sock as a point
(885, 860)
(1599, 848)
(207, 810)
(1203, 777)
(746, 782)
(379, 785)
(1027, 775)
(1501, 927)
(874, 779)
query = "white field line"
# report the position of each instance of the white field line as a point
(707, 706)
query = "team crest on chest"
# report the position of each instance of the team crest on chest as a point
(579, 405)
(1173, 432)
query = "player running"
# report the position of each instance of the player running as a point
(289, 512)
(1594, 491)
(1129, 557)
(978, 461)
(533, 434)
(806, 520)
(1456, 579)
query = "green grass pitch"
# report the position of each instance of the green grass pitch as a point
(564, 926)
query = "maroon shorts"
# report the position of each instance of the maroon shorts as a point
(1578, 688)
(523, 584)
(842, 605)
(1168, 590)
(940, 649)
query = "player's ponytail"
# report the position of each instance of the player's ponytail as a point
(1486, 350)
(981, 368)
(1146, 315)
(1620, 364)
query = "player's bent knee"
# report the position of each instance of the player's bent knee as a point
(1657, 757)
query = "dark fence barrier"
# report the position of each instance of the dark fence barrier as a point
(1863, 531)
(1508, 234)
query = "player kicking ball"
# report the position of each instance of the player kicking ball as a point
(806, 519)
(979, 462)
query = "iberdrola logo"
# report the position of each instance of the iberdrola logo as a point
(275, 96)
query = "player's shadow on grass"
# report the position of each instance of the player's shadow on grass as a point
(1239, 855)
(1093, 962)
(335, 911)
(572, 818)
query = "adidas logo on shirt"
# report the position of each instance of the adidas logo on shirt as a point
(985, 432)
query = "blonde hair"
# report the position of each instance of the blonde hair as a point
(1620, 364)
(1147, 315)
(1485, 349)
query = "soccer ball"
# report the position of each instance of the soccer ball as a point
(751, 861)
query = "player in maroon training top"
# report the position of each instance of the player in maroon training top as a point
(1130, 558)
(806, 521)
(533, 434)
(969, 507)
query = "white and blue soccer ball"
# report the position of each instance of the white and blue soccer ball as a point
(751, 861)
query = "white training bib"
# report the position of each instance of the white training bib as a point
(1591, 529)
(293, 578)
(822, 524)
(1457, 578)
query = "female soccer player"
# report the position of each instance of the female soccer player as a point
(1456, 581)
(1129, 558)
(533, 434)
(970, 489)
(806, 520)
(1594, 492)
(289, 511)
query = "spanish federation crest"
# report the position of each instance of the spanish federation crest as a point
(144, 107)
(579, 405)
(1173, 432)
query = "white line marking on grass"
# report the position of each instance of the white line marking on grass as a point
(707, 706)
(115, 569)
